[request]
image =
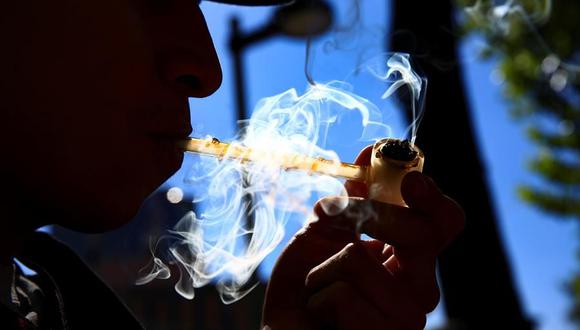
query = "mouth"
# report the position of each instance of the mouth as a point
(170, 122)
(170, 140)
(171, 136)
(166, 153)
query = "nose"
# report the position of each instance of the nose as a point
(193, 72)
(189, 62)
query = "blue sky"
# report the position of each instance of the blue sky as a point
(541, 247)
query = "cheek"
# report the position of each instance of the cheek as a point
(117, 167)
(103, 168)
(75, 87)
(103, 186)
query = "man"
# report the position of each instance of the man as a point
(94, 94)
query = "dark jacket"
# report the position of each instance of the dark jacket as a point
(71, 295)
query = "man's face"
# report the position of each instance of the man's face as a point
(94, 94)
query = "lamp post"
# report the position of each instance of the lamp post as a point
(302, 19)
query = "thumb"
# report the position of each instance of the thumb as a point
(422, 194)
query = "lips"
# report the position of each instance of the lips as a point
(166, 152)
(171, 134)
(167, 122)
(164, 118)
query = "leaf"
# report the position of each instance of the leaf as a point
(564, 205)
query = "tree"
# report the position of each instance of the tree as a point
(478, 291)
(537, 46)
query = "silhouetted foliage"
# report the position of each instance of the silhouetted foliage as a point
(537, 45)
(426, 30)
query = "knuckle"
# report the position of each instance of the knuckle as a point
(319, 209)
(352, 255)
(331, 207)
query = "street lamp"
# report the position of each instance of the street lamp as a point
(301, 19)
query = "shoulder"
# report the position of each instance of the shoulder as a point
(85, 300)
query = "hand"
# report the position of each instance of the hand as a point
(328, 277)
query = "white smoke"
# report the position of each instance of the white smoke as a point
(216, 244)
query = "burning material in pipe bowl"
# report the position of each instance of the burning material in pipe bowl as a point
(391, 159)
(274, 171)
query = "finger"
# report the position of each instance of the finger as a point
(357, 267)
(413, 235)
(356, 188)
(418, 275)
(286, 295)
(379, 250)
(392, 265)
(415, 264)
(410, 228)
(422, 194)
(339, 306)
(387, 251)
(389, 260)
(435, 218)
(393, 224)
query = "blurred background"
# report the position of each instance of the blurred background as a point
(501, 133)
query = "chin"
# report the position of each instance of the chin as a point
(123, 206)
(96, 221)
(112, 204)
(106, 211)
